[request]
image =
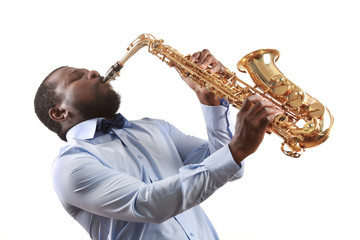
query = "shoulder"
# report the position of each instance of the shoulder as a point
(75, 154)
(153, 123)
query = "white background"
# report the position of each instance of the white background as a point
(314, 197)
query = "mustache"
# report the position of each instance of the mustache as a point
(99, 80)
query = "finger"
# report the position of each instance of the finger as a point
(194, 57)
(208, 61)
(203, 55)
(217, 66)
(249, 101)
(266, 116)
(187, 80)
(260, 106)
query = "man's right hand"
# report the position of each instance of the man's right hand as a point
(251, 123)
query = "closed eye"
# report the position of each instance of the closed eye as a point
(76, 75)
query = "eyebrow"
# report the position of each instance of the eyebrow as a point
(75, 70)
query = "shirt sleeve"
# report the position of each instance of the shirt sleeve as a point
(218, 125)
(82, 182)
(219, 130)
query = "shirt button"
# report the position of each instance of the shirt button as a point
(140, 157)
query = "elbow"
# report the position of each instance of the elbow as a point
(156, 214)
(156, 203)
(155, 218)
(159, 220)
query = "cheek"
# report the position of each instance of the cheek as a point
(79, 95)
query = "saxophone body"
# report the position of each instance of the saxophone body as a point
(305, 122)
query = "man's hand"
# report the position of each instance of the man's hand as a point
(251, 123)
(204, 59)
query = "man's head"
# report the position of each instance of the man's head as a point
(70, 95)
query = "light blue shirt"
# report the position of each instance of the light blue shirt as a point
(144, 181)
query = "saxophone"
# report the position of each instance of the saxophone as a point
(304, 123)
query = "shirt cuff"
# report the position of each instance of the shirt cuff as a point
(216, 117)
(222, 166)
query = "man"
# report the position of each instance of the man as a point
(142, 179)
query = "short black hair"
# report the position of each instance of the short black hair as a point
(45, 99)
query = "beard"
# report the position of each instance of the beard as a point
(104, 105)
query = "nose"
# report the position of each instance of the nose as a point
(92, 74)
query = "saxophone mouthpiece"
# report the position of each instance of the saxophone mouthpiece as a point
(113, 72)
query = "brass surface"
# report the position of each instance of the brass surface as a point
(305, 122)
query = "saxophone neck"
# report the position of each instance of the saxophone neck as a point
(140, 42)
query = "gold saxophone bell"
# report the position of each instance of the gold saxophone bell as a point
(305, 122)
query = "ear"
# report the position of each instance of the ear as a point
(58, 114)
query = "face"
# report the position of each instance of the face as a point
(84, 93)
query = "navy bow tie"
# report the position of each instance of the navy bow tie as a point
(105, 125)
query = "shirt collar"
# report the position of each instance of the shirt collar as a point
(83, 130)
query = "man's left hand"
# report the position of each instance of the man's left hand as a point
(204, 59)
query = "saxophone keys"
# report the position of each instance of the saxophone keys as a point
(281, 120)
(295, 150)
(280, 85)
(316, 110)
(310, 127)
(295, 98)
